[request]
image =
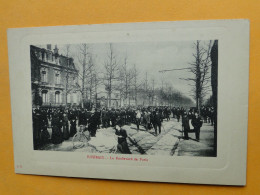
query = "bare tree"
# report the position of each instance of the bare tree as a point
(111, 71)
(200, 68)
(85, 67)
(127, 75)
(91, 77)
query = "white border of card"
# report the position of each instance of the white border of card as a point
(228, 168)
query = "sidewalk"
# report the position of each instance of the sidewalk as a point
(205, 147)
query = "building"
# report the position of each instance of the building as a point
(54, 78)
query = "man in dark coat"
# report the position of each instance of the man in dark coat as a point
(44, 134)
(57, 136)
(196, 123)
(113, 117)
(178, 114)
(158, 118)
(104, 117)
(93, 123)
(122, 143)
(72, 118)
(36, 127)
(82, 118)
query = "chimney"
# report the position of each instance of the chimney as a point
(56, 50)
(49, 46)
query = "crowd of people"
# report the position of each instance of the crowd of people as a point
(63, 122)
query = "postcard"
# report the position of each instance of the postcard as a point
(155, 101)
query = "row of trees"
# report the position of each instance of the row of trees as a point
(118, 76)
(200, 69)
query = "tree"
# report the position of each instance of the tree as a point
(111, 71)
(85, 66)
(214, 84)
(128, 77)
(200, 68)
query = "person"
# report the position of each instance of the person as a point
(104, 118)
(197, 123)
(185, 125)
(36, 127)
(73, 123)
(65, 126)
(121, 138)
(168, 113)
(93, 123)
(178, 114)
(158, 121)
(147, 120)
(82, 118)
(57, 136)
(138, 118)
(44, 134)
(113, 117)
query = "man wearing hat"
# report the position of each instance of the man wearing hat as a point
(197, 123)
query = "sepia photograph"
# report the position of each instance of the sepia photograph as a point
(143, 98)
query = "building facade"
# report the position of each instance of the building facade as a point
(54, 78)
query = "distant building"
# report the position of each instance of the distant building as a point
(54, 78)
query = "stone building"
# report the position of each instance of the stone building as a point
(54, 78)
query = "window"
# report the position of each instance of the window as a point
(57, 97)
(49, 57)
(68, 98)
(44, 96)
(44, 76)
(74, 81)
(74, 97)
(57, 77)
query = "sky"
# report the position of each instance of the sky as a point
(148, 57)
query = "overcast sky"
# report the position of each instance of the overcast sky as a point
(150, 57)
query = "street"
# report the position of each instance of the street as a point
(168, 143)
